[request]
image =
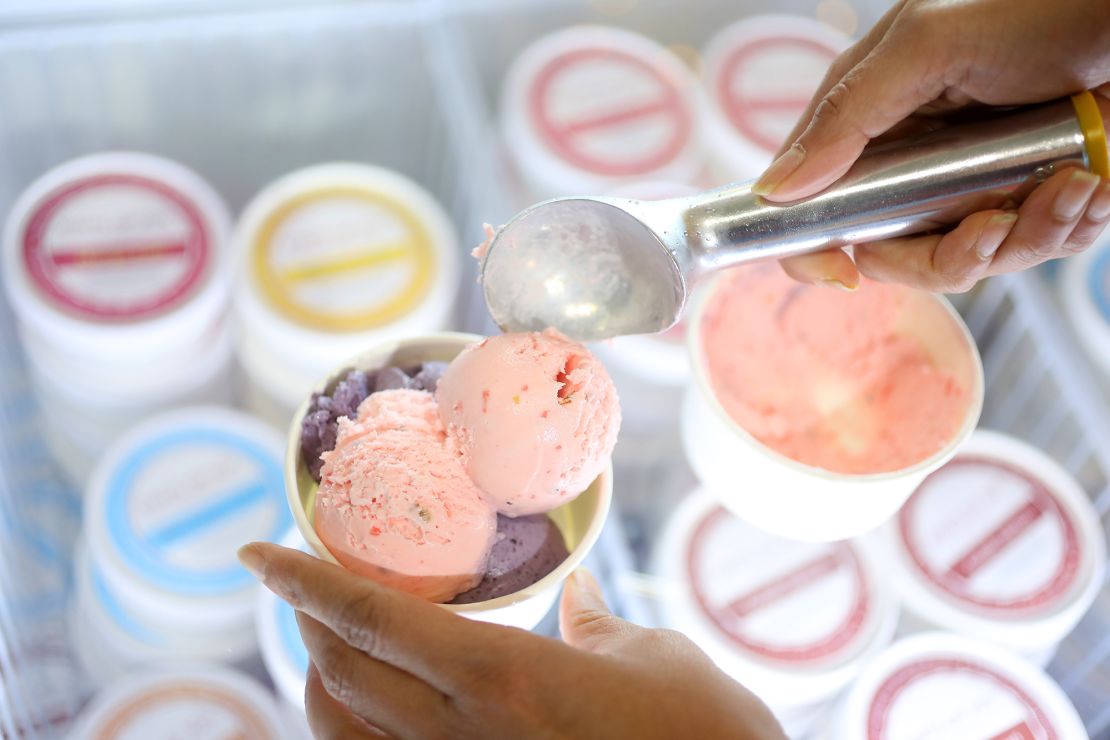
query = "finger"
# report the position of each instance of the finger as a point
(1091, 226)
(833, 268)
(940, 263)
(888, 85)
(840, 67)
(1046, 221)
(379, 693)
(327, 718)
(585, 620)
(397, 628)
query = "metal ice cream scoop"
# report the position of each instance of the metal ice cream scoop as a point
(597, 268)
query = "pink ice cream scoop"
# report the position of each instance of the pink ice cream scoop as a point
(396, 505)
(534, 417)
(857, 383)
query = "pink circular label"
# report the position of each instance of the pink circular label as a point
(990, 536)
(937, 697)
(609, 112)
(805, 602)
(765, 85)
(116, 247)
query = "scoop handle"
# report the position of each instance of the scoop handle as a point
(917, 184)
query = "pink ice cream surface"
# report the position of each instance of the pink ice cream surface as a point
(534, 417)
(479, 252)
(865, 382)
(395, 504)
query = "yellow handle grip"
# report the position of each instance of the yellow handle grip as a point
(1090, 121)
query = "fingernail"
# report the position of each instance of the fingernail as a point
(1099, 210)
(1073, 197)
(839, 285)
(253, 561)
(993, 234)
(780, 169)
(588, 586)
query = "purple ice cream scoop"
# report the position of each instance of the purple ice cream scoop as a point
(527, 549)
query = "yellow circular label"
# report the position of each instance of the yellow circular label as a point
(343, 258)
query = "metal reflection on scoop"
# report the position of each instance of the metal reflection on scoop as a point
(597, 268)
(585, 266)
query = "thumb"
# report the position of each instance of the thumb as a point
(884, 88)
(585, 620)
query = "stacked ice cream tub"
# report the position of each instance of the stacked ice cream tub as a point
(117, 269)
(590, 109)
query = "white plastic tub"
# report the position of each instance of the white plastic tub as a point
(166, 511)
(760, 74)
(590, 107)
(207, 702)
(945, 686)
(1000, 544)
(335, 258)
(82, 413)
(109, 641)
(116, 267)
(119, 255)
(792, 621)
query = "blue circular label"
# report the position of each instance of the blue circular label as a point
(179, 506)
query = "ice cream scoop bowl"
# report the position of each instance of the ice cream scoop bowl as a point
(580, 521)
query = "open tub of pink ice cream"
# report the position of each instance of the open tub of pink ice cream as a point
(483, 423)
(816, 413)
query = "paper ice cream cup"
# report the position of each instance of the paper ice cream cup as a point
(580, 520)
(783, 496)
(587, 108)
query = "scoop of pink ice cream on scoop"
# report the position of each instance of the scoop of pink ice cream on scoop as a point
(396, 505)
(534, 417)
